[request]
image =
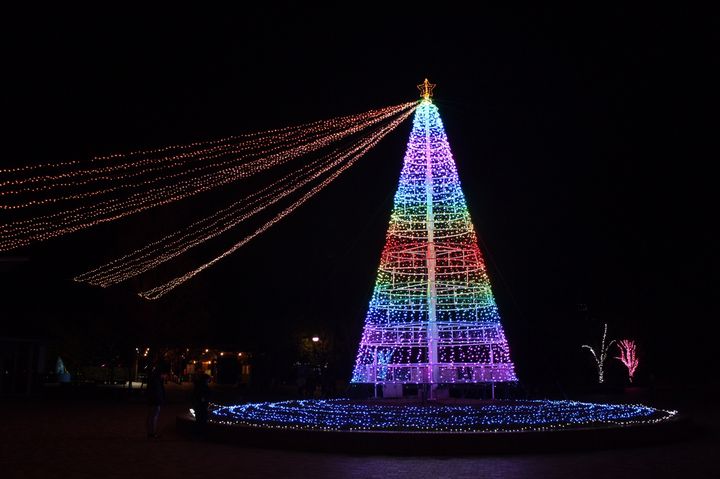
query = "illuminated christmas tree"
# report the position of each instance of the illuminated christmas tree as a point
(432, 318)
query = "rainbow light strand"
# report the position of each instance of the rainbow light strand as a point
(432, 317)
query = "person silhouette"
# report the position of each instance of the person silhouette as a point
(200, 398)
(155, 397)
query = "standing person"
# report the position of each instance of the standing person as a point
(201, 393)
(156, 397)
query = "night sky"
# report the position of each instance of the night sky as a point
(582, 139)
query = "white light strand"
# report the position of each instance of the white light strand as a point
(102, 274)
(24, 232)
(164, 288)
(207, 165)
(255, 147)
(189, 146)
(158, 252)
(600, 358)
(273, 160)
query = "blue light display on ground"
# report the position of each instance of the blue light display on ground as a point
(498, 416)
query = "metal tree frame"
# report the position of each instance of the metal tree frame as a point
(432, 318)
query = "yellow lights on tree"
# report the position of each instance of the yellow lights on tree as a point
(426, 89)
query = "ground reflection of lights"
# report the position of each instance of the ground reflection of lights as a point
(501, 416)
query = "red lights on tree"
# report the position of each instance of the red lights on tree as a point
(628, 356)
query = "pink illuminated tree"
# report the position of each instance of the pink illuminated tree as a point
(628, 355)
(601, 355)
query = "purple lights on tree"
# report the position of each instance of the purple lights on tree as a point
(432, 318)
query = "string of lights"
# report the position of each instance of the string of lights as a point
(161, 290)
(432, 318)
(260, 165)
(23, 232)
(110, 272)
(158, 252)
(120, 180)
(505, 416)
(321, 124)
(216, 155)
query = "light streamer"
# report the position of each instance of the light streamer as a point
(161, 290)
(23, 232)
(255, 147)
(199, 232)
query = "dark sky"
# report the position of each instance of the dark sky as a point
(582, 138)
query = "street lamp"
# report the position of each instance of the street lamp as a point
(315, 339)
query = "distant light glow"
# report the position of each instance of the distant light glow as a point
(315, 339)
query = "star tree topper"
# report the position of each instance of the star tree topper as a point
(426, 89)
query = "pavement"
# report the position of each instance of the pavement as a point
(101, 434)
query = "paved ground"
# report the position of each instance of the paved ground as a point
(104, 437)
